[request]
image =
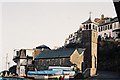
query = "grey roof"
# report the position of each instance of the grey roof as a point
(115, 19)
(88, 21)
(59, 53)
(42, 46)
(104, 23)
(80, 50)
(112, 20)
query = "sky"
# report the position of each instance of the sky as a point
(28, 24)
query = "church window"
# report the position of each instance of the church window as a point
(89, 26)
(86, 26)
(93, 27)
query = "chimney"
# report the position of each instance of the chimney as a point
(102, 17)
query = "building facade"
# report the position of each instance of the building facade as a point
(110, 28)
(85, 58)
(24, 58)
(89, 42)
(107, 28)
(65, 57)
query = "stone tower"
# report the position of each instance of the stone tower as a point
(89, 41)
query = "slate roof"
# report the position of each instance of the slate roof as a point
(88, 21)
(59, 53)
(115, 19)
(42, 46)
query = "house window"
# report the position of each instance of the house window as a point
(105, 34)
(118, 35)
(109, 34)
(93, 27)
(96, 28)
(110, 26)
(99, 29)
(105, 27)
(114, 25)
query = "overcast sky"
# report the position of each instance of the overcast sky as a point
(30, 24)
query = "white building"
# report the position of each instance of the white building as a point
(109, 29)
(89, 25)
(106, 27)
(116, 28)
(23, 58)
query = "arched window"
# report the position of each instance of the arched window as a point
(96, 28)
(99, 29)
(102, 28)
(86, 26)
(105, 27)
(93, 27)
(110, 26)
(89, 26)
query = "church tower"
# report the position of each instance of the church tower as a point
(89, 42)
(89, 24)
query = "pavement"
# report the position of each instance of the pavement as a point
(105, 75)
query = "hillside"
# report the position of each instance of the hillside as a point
(109, 56)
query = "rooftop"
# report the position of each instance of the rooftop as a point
(59, 53)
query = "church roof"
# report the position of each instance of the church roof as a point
(59, 53)
(88, 21)
(42, 46)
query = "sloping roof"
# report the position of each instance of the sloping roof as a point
(59, 53)
(115, 19)
(80, 50)
(112, 20)
(42, 46)
(88, 21)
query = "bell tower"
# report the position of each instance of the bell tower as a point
(89, 42)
